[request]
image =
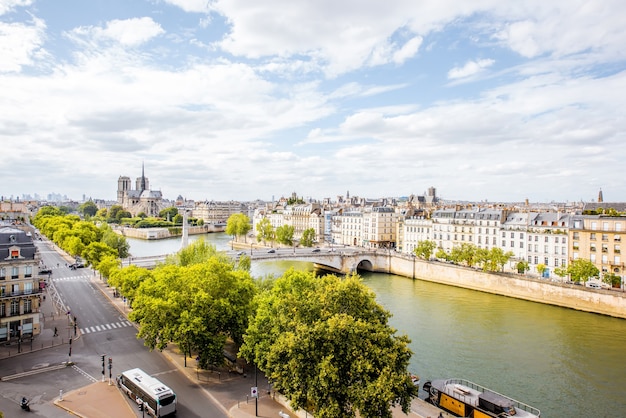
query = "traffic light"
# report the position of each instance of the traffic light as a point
(102, 357)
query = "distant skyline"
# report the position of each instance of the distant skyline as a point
(240, 99)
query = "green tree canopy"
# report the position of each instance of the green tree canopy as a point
(96, 251)
(88, 209)
(284, 234)
(198, 307)
(582, 270)
(265, 230)
(117, 242)
(238, 224)
(308, 237)
(424, 249)
(327, 346)
(169, 213)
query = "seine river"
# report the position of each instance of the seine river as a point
(564, 362)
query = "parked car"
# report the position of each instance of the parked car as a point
(317, 250)
(272, 251)
(45, 271)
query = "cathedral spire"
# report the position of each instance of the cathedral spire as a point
(143, 178)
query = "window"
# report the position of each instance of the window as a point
(592, 258)
(605, 226)
(556, 240)
(546, 261)
(15, 272)
(563, 240)
(605, 237)
(521, 244)
(592, 247)
(617, 238)
(536, 248)
(15, 307)
(545, 239)
(616, 249)
(536, 238)
(575, 245)
(545, 249)
(605, 259)
(616, 259)
(28, 306)
(512, 234)
(529, 259)
(3, 273)
(536, 260)
(28, 288)
(2, 311)
(563, 251)
(521, 235)
(575, 235)
(503, 234)
(493, 241)
(556, 262)
(592, 236)
(605, 248)
(503, 244)
(618, 226)
(594, 226)
(28, 271)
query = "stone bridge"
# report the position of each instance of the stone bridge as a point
(342, 261)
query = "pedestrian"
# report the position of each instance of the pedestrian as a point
(440, 415)
(55, 331)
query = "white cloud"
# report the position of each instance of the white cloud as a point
(20, 44)
(132, 32)
(9, 5)
(194, 6)
(470, 68)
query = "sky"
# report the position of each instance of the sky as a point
(485, 100)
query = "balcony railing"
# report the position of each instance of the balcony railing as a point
(20, 293)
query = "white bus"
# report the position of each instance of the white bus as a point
(156, 398)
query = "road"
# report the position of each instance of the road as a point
(103, 331)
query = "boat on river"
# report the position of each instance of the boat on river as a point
(467, 399)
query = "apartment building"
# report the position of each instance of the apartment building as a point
(212, 212)
(379, 227)
(412, 231)
(598, 238)
(19, 284)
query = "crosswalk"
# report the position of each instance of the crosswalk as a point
(71, 278)
(106, 327)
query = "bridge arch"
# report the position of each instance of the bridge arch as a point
(365, 265)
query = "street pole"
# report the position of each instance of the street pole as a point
(256, 399)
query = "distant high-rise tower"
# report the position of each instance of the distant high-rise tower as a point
(600, 200)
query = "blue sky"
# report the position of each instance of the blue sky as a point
(240, 99)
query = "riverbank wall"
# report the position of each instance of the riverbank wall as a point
(170, 232)
(601, 301)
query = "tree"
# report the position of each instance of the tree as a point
(113, 211)
(169, 213)
(541, 268)
(560, 271)
(96, 251)
(424, 249)
(198, 307)
(117, 242)
(308, 237)
(582, 270)
(88, 209)
(265, 230)
(498, 258)
(522, 266)
(327, 346)
(612, 279)
(178, 219)
(238, 224)
(284, 234)
(441, 254)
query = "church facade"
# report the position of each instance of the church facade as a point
(141, 198)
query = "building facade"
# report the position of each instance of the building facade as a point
(19, 285)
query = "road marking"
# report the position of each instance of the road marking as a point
(105, 327)
(84, 373)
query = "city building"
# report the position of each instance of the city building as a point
(19, 285)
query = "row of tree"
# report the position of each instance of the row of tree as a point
(494, 260)
(239, 225)
(116, 214)
(467, 254)
(81, 238)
